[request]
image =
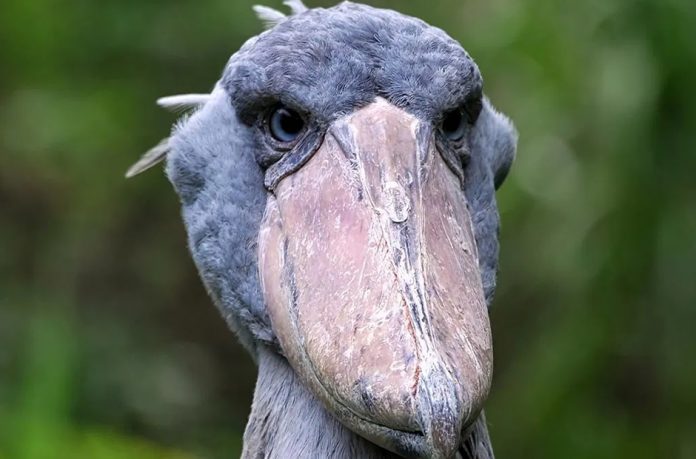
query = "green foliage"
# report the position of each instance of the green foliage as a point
(109, 347)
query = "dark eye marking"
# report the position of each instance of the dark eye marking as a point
(285, 125)
(455, 122)
(454, 125)
(472, 108)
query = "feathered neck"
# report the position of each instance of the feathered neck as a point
(286, 420)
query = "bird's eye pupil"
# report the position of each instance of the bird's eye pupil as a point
(454, 125)
(285, 124)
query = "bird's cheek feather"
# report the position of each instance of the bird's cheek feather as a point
(369, 269)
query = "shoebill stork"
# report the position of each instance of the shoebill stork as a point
(338, 190)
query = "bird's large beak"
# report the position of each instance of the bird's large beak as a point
(370, 272)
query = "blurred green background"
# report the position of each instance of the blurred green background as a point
(110, 348)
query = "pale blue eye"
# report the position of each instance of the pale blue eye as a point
(454, 125)
(285, 124)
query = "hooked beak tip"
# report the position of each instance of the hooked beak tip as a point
(441, 413)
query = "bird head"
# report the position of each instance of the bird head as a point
(338, 189)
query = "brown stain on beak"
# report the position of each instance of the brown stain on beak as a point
(370, 273)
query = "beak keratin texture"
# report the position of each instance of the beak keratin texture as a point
(369, 269)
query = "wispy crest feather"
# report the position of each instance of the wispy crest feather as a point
(151, 158)
(157, 154)
(296, 6)
(269, 16)
(181, 102)
(272, 17)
